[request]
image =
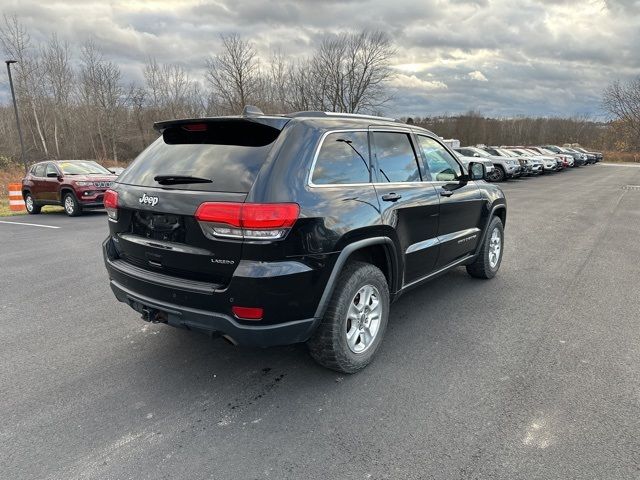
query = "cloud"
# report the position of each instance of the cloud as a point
(412, 82)
(504, 57)
(478, 76)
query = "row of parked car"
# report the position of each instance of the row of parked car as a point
(516, 161)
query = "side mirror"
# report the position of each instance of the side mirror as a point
(477, 171)
(52, 175)
(477, 155)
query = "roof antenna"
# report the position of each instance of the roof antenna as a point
(251, 111)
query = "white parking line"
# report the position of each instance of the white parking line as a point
(30, 224)
(632, 165)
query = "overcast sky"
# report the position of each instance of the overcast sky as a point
(500, 57)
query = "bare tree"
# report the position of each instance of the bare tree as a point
(622, 101)
(300, 85)
(350, 72)
(16, 43)
(234, 74)
(58, 76)
(103, 96)
(137, 101)
(169, 87)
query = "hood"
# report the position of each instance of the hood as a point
(498, 158)
(92, 178)
(464, 159)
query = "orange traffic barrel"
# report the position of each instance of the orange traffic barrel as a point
(16, 202)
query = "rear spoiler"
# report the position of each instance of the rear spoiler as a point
(276, 122)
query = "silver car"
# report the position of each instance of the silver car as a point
(504, 167)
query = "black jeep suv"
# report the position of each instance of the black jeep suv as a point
(271, 230)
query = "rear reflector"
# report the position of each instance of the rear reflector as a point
(247, 313)
(110, 202)
(258, 221)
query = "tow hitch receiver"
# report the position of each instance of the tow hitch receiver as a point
(154, 316)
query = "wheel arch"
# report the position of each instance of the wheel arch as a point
(64, 190)
(497, 210)
(379, 251)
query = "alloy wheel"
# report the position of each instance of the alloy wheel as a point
(363, 319)
(69, 205)
(495, 247)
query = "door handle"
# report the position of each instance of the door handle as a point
(391, 197)
(446, 193)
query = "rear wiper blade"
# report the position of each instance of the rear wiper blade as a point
(178, 179)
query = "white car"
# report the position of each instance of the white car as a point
(466, 160)
(503, 167)
(551, 163)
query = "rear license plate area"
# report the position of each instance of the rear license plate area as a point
(158, 226)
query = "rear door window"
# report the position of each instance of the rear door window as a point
(343, 158)
(39, 170)
(230, 153)
(395, 158)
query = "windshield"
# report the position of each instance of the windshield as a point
(480, 152)
(83, 168)
(545, 151)
(503, 153)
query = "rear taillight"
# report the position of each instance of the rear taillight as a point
(250, 221)
(111, 204)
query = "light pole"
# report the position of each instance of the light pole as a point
(15, 108)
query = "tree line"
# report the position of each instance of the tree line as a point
(75, 103)
(473, 128)
(81, 107)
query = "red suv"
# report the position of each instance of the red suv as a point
(74, 184)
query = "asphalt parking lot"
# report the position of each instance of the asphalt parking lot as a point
(534, 374)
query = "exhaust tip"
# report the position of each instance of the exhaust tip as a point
(230, 340)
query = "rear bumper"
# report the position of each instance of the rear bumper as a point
(288, 291)
(217, 323)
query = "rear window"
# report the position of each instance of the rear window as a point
(230, 153)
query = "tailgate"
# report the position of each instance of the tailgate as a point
(167, 238)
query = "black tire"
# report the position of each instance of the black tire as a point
(328, 345)
(481, 267)
(497, 175)
(71, 205)
(30, 205)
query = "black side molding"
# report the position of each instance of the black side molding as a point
(342, 258)
(494, 209)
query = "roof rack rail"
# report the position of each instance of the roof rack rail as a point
(313, 113)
